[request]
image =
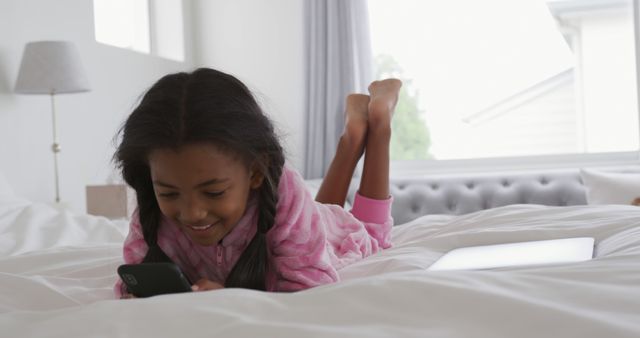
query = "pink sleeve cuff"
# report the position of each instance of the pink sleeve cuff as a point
(371, 210)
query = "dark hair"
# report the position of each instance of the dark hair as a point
(204, 106)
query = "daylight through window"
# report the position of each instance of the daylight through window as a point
(503, 78)
(148, 26)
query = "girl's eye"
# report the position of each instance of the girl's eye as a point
(214, 193)
(168, 194)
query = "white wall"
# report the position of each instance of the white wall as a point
(87, 122)
(261, 43)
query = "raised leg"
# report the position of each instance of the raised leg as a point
(335, 184)
(374, 183)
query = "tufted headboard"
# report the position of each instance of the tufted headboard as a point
(465, 193)
(456, 194)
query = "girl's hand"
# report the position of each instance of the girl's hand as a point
(204, 284)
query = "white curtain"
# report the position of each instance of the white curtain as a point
(338, 62)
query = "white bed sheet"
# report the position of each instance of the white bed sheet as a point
(57, 273)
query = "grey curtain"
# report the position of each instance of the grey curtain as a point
(338, 62)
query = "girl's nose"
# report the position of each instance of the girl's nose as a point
(193, 213)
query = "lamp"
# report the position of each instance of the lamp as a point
(51, 67)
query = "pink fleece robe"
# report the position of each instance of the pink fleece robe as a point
(308, 243)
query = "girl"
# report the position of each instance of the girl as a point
(216, 197)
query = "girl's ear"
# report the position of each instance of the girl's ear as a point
(257, 177)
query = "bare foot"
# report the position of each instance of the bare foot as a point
(384, 97)
(356, 119)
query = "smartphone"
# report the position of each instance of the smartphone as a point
(151, 279)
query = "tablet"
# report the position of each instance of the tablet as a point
(566, 250)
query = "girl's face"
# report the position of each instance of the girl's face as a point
(202, 189)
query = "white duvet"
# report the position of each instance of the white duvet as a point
(57, 271)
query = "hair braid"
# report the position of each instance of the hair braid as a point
(251, 269)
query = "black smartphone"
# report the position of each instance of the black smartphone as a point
(151, 279)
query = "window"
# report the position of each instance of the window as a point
(503, 79)
(148, 26)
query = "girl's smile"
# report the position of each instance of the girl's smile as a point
(199, 228)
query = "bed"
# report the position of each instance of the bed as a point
(57, 271)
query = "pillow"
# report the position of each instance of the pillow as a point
(5, 188)
(610, 187)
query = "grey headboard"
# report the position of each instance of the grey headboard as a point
(456, 194)
(465, 193)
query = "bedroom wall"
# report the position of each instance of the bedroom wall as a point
(260, 42)
(87, 122)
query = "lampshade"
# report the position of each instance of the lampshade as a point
(51, 67)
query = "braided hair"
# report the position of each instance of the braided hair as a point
(204, 106)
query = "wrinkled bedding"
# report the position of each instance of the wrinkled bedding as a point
(57, 270)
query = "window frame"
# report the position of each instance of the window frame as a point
(153, 37)
(515, 163)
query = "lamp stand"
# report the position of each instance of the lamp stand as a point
(55, 147)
